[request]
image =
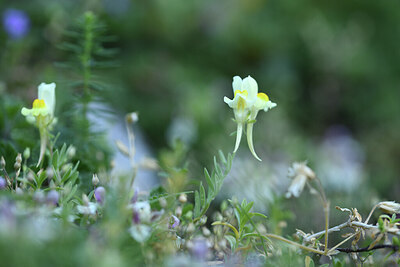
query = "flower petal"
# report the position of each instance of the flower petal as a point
(237, 84)
(251, 86)
(297, 186)
(270, 105)
(230, 102)
(26, 112)
(46, 92)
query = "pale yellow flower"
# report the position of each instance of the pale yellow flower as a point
(42, 113)
(246, 104)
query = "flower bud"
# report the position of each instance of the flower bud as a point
(71, 151)
(203, 220)
(99, 194)
(30, 176)
(17, 166)
(178, 211)
(218, 216)
(95, 180)
(190, 228)
(132, 117)
(49, 173)
(85, 200)
(205, 231)
(224, 205)
(18, 159)
(2, 163)
(27, 153)
(183, 198)
(189, 215)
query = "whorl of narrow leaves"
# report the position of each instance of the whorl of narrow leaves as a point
(84, 45)
(214, 183)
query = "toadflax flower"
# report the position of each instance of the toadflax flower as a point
(42, 113)
(300, 173)
(246, 104)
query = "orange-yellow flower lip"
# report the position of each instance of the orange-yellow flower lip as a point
(263, 96)
(38, 103)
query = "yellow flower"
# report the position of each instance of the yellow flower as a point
(246, 104)
(44, 105)
(42, 113)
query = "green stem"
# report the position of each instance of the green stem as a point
(278, 237)
(86, 59)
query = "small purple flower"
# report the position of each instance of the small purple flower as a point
(16, 23)
(99, 194)
(174, 222)
(3, 183)
(52, 197)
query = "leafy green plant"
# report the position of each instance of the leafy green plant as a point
(214, 183)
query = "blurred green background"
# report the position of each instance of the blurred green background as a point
(332, 68)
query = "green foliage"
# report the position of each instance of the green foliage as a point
(86, 53)
(214, 183)
(322, 57)
(173, 163)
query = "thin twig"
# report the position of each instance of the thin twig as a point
(333, 229)
(341, 243)
(370, 214)
(278, 237)
(350, 250)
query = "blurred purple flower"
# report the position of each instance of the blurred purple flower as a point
(7, 215)
(174, 222)
(199, 249)
(16, 23)
(135, 218)
(135, 195)
(99, 194)
(3, 183)
(52, 197)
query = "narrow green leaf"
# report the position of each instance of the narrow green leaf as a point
(222, 157)
(196, 204)
(55, 159)
(232, 242)
(202, 194)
